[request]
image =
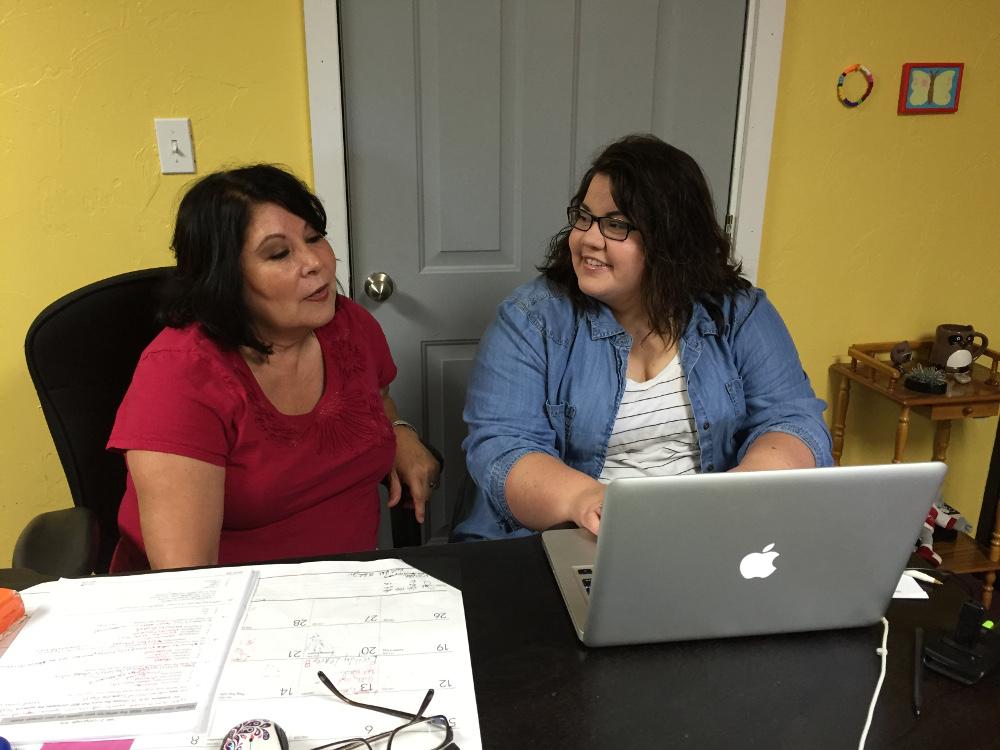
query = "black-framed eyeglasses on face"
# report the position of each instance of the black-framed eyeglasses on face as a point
(612, 227)
(418, 733)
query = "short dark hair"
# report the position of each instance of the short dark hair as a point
(212, 221)
(663, 192)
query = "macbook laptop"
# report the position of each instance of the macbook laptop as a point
(719, 555)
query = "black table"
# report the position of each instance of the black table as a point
(538, 687)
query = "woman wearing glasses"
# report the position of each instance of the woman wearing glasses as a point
(639, 351)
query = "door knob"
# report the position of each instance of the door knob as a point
(379, 286)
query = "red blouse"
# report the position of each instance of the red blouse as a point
(296, 485)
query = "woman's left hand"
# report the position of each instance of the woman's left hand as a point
(414, 467)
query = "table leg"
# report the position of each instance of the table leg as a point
(989, 578)
(995, 538)
(840, 419)
(902, 431)
(988, 581)
(942, 436)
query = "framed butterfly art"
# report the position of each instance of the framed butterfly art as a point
(930, 88)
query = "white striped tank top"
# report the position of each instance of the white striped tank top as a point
(654, 434)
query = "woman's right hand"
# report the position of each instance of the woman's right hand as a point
(543, 492)
(589, 507)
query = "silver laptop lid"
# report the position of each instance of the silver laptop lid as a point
(718, 555)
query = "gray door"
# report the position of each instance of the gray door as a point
(468, 124)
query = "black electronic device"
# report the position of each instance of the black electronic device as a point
(969, 653)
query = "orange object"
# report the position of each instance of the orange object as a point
(11, 608)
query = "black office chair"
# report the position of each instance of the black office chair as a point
(81, 352)
(463, 503)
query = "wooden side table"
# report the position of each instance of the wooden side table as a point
(869, 367)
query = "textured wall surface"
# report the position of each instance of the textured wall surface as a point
(878, 227)
(81, 194)
(881, 226)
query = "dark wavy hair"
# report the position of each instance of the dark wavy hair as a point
(212, 221)
(663, 192)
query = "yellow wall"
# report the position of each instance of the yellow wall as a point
(880, 226)
(81, 196)
(877, 226)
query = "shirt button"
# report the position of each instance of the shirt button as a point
(710, 467)
(706, 425)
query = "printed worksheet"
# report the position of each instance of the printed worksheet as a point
(383, 632)
(107, 657)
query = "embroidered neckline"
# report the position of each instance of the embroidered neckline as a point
(347, 414)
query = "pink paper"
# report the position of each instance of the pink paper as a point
(95, 745)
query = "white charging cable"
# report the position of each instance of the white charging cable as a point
(884, 653)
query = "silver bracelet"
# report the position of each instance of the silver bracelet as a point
(404, 423)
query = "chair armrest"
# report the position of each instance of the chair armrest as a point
(59, 543)
(20, 579)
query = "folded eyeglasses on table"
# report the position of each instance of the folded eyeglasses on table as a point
(419, 732)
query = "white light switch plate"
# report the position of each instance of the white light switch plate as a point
(173, 139)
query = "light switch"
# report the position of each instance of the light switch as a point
(173, 139)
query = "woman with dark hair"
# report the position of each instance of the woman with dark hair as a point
(258, 424)
(639, 351)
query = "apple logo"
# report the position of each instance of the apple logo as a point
(759, 564)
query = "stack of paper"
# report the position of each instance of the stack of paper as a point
(102, 657)
(382, 631)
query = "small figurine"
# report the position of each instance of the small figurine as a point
(942, 516)
(900, 354)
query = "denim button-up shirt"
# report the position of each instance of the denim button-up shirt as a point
(549, 380)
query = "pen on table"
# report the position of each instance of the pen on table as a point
(921, 576)
(918, 670)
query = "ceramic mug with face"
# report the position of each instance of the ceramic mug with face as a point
(954, 349)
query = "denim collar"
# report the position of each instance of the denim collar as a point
(603, 324)
(701, 322)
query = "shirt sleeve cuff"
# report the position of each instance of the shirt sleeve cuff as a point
(818, 444)
(498, 484)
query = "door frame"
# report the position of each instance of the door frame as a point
(751, 153)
